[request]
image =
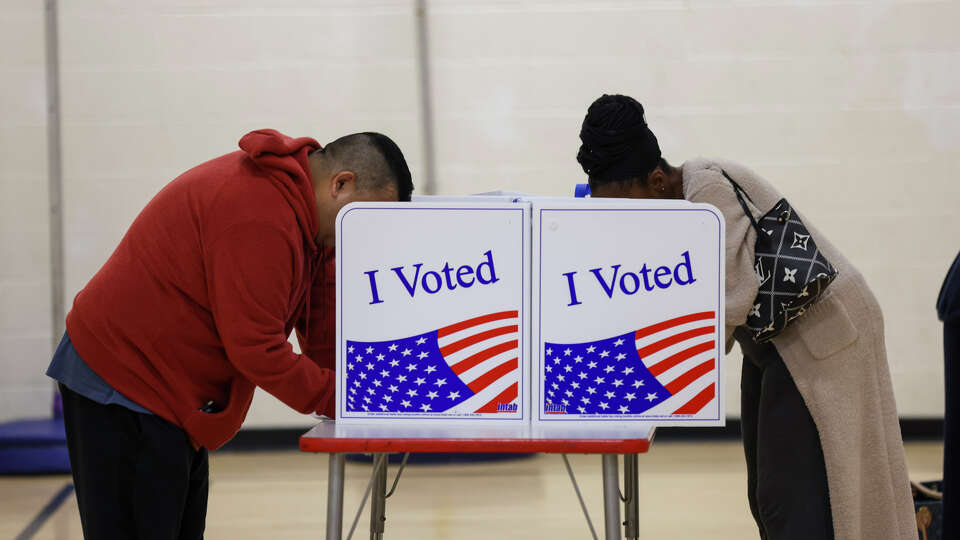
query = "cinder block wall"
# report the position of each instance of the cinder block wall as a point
(25, 312)
(851, 107)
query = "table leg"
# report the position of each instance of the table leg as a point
(335, 497)
(611, 496)
(378, 501)
(631, 485)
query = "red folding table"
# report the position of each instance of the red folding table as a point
(380, 440)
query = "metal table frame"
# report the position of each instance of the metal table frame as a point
(338, 440)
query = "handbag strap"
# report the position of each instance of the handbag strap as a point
(740, 194)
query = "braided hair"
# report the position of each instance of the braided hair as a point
(617, 144)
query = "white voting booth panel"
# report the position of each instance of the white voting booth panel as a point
(433, 312)
(628, 304)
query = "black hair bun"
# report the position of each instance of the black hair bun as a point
(616, 139)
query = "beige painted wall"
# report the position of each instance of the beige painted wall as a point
(25, 319)
(151, 89)
(851, 107)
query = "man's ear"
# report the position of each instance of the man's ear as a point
(342, 183)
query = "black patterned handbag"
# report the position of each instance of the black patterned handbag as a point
(792, 271)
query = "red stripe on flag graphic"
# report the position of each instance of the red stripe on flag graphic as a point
(673, 340)
(481, 356)
(469, 323)
(477, 338)
(489, 377)
(676, 353)
(507, 396)
(659, 327)
(684, 380)
(483, 353)
(699, 401)
(673, 360)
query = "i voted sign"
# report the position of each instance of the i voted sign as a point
(433, 312)
(628, 312)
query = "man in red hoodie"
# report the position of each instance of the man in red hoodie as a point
(166, 343)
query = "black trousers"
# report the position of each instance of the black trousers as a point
(951, 431)
(786, 474)
(136, 475)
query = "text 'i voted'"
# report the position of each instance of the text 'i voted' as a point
(615, 280)
(412, 278)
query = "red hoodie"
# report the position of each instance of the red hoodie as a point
(197, 301)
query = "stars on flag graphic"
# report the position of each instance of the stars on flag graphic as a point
(668, 368)
(471, 366)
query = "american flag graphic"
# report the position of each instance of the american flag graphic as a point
(668, 368)
(468, 367)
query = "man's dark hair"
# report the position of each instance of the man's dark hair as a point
(375, 159)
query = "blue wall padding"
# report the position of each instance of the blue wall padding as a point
(33, 447)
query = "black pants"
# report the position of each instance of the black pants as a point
(951, 431)
(136, 475)
(786, 474)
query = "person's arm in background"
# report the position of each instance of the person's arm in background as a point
(250, 273)
(741, 284)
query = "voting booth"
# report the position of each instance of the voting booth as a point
(515, 309)
(433, 319)
(628, 312)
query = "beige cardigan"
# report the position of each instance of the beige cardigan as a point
(837, 358)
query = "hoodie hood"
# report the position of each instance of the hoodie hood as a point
(286, 160)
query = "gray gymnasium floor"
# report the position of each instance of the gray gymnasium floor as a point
(688, 490)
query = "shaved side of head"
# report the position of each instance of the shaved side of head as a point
(374, 158)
